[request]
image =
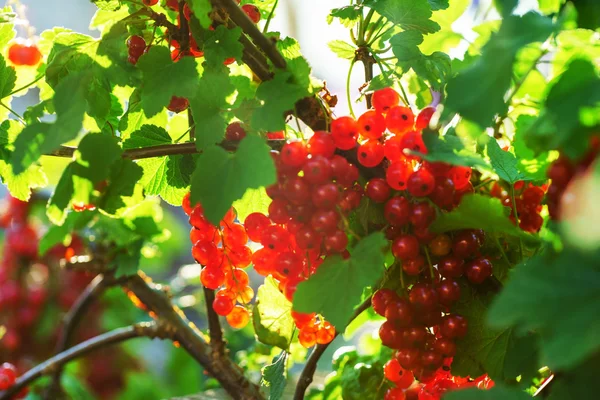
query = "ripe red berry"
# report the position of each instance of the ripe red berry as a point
(381, 298)
(336, 242)
(254, 225)
(414, 266)
(448, 292)
(371, 125)
(325, 221)
(136, 45)
(238, 317)
(212, 277)
(397, 175)
(275, 238)
(405, 247)
(451, 266)
(294, 154)
(8, 376)
(424, 117)
(445, 347)
(297, 190)
(394, 394)
(478, 270)
(320, 170)
(443, 192)
(187, 12)
(465, 244)
(412, 142)
(344, 131)
(420, 183)
(422, 215)
(326, 196)
(384, 99)
(394, 372)
(399, 119)
(408, 358)
(397, 211)
(399, 312)
(461, 176)
(223, 305)
(307, 238)
(24, 54)
(378, 190)
(453, 326)
(252, 12)
(178, 104)
(370, 153)
(423, 296)
(150, 3)
(321, 144)
(235, 132)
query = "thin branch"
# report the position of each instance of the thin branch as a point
(239, 17)
(147, 329)
(70, 323)
(308, 372)
(214, 325)
(157, 301)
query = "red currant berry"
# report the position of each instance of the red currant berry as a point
(478, 270)
(319, 169)
(412, 142)
(235, 132)
(24, 54)
(394, 394)
(336, 242)
(397, 175)
(254, 225)
(399, 119)
(294, 154)
(326, 196)
(399, 312)
(150, 3)
(465, 244)
(381, 298)
(405, 247)
(397, 211)
(344, 131)
(461, 176)
(422, 215)
(178, 104)
(371, 125)
(212, 277)
(384, 99)
(448, 292)
(414, 266)
(223, 305)
(321, 144)
(370, 153)
(451, 267)
(423, 296)
(378, 190)
(420, 183)
(424, 117)
(252, 12)
(453, 326)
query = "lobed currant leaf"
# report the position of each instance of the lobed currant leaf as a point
(274, 376)
(271, 317)
(409, 14)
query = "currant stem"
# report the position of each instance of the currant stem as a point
(270, 17)
(514, 204)
(348, 88)
(431, 273)
(21, 120)
(36, 80)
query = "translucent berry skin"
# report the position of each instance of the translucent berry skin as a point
(370, 153)
(24, 54)
(8, 376)
(212, 277)
(423, 297)
(394, 394)
(293, 154)
(394, 372)
(420, 183)
(461, 176)
(136, 45)
(321, 144)
(453, 326)
(344, 131)
(371, 125)
(405, 247)
(399, 119)
(448, 292)
(252, 12)
(150, 3)
(397, 175)
(254, 224)
(223, 305)
(465, 244)
(451, 266)
(378, 190)
(381, 298)
(478, 270)
(384, 99)
(238, 317)
(397, 211)
(178, 104)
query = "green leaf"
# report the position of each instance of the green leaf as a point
(337, 286)
(124, 174)
(127, 259)
(550, 6)
(254, 200)
(221, 178)
(201, 9)
(435, 68)
(342, 49)
(57, 234)
(41, 138)
(438, 4)
(506, 7)
(476, 211)
(576, 88)
(588, 14)
(8, 77)
(505, 164)
(208, 104)
(163, 78)
(135, 118)
(555, 295)
(96, 154)
(477, 93)
(450, 149)
(578, 383)
(278, 95)
(272, 320)
(409, 14)
(222, 44)
(274, 376)
(348, 15)
(295, 63)
(498, 392)
(488, 350)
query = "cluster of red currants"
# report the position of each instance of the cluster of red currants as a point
(235, 132)
(430, 388)
(8, 377)
(223, 252)
(563, 172)
(31, 285)
(528, 200)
